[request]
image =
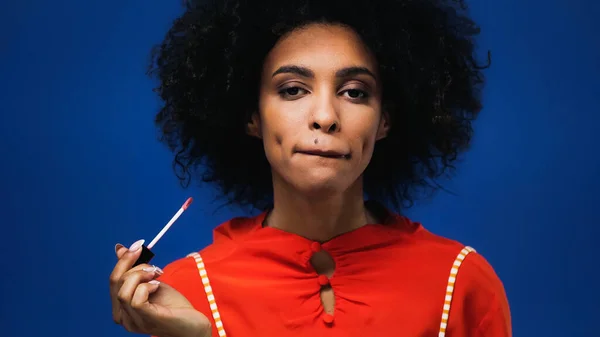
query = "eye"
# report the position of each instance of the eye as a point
(356, 94)
(292, 92)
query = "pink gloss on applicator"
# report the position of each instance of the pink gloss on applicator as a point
(147, 254)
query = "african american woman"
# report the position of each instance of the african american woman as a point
(329, 117)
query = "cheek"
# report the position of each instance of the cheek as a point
(367, 147)
(363, 132)
(280, 124)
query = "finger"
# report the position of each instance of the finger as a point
(123, 265)
(151, 269)
(139, 301)
(117, 314)
(120, 250)
(117, 307)
(139, 308)
(132, 279)
(133, 318)
(129, 323)
(126, 261)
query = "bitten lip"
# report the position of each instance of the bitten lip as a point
(324, 153)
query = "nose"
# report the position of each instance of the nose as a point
(325, 117)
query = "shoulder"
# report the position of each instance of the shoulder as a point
(226, 237)
(183, 275)
(237, 229)
(433, 249)
(479, 274)
(479, 305)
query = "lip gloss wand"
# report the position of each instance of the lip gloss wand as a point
(147, 254)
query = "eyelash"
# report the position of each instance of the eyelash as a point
(284, 93)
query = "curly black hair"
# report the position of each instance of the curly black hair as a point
(209, 66)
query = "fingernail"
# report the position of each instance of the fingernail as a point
(153, 269)
(154, 282)
(136, 245)
(117, 247)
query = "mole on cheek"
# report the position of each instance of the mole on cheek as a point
(278, 139)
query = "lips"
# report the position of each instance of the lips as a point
(326, 154)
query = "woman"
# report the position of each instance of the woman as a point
(304, 109)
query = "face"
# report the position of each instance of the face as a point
(319, 109)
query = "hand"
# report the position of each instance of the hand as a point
(143, 305)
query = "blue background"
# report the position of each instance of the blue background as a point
(82, 169)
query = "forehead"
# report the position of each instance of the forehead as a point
(321, 48)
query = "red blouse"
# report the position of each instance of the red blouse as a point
(390, 279)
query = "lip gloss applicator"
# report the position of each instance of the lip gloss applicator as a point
(147, 254)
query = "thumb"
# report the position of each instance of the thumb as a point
(120, 250)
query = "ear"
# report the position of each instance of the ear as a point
(384, 126)
(253, 127)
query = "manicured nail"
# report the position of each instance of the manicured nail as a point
(153, 269)
(154, 282)
(117, 247)
(136, 245)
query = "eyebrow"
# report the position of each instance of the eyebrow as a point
(353, 71)
(301, 71)
(305, 72)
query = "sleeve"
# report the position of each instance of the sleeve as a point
(480, 305)
(183, 276)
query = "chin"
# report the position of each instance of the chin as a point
(321, 184)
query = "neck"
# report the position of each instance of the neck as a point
(318, 218)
